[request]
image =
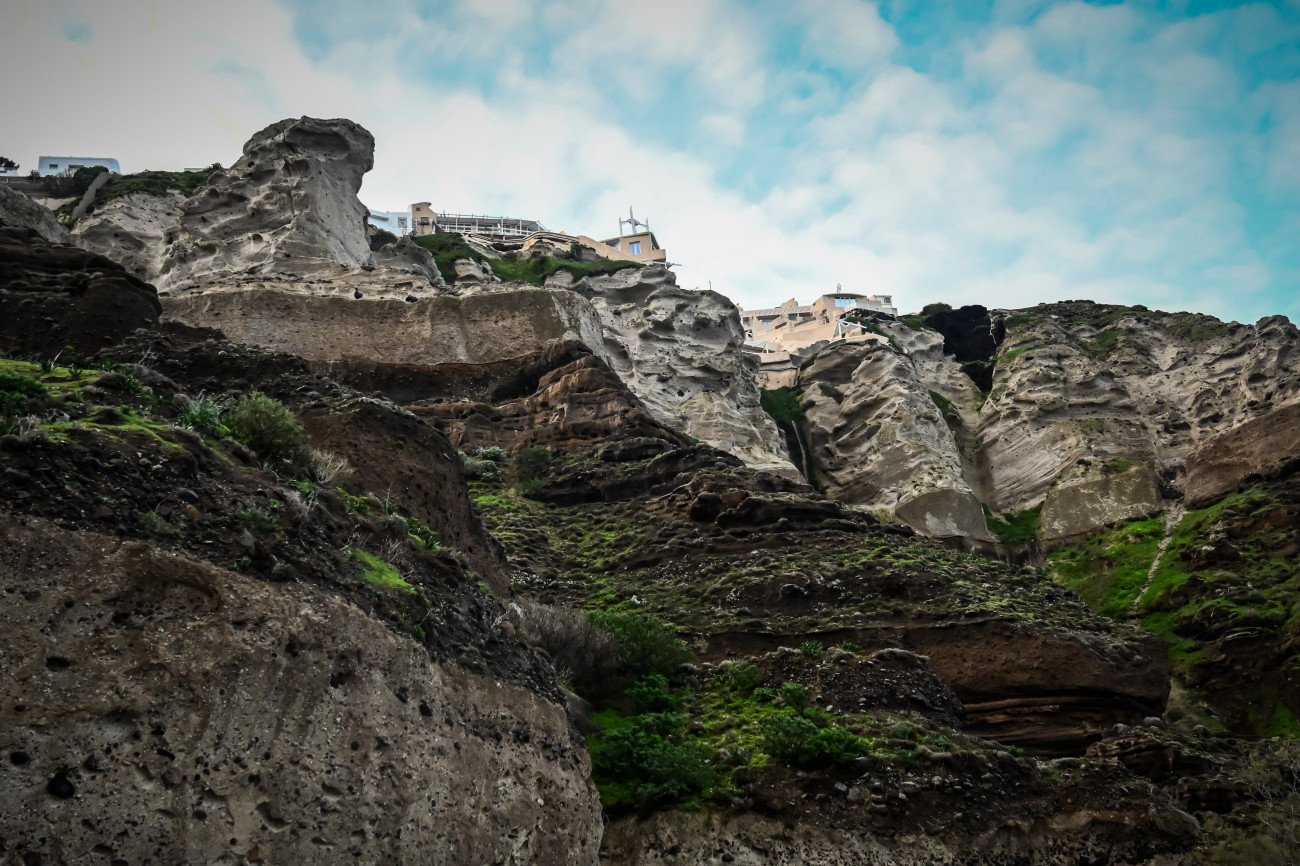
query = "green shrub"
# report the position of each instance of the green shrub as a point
(644, 764)
(15, 389)
(811, 648)
(379, 572)
(258, 522)
(532, 462)
(495, 453)
(536, 269)
(795, 696)
(742, 677)
(850, 647)
(934, 309)
(652, 694)
(202, 414)
(269, 429)
(478, 468)
(646, 645)
(446, 248)
(427, 538)
(796, 741)
(763, 695)
(1018, 528)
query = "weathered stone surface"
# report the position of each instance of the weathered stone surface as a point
(19, 211)
(286, 214)
(381, 333)
(1077, 509)
(881, 441)
(1123, 830)
(52, 296)
(169, 711)
(679, 350)
(132, 230)
(1087, 383)
(1222, 462)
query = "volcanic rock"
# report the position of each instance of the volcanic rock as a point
(287, 214)
(52, 296)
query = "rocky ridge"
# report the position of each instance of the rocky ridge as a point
(273, 251)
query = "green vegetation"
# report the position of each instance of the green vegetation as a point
(916, 323)
(646, 761)
(1194, 327)
(156, 183)
(269, 429)
(646, 645)
(202, 414)
(447, 248)
(536, 269)
(478, 468)
(1016, 529)
(796, 741)
(1118, 465)
(257, 522)
(1103, 343)
(377, 572)
(781, 403)
(1019, 320)
(16, 387)
(533, 462)
(946, 407)
(811, 648)
(1109, 570)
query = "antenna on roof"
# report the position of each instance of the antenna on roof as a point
(631, 220)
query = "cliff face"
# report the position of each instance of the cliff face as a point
(1090, 413)
(274, 252)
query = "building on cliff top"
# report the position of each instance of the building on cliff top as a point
(775, 333)
(427, 221)
(51, 165)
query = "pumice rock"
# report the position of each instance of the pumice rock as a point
(286, 214)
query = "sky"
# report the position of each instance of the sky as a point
(999, 152)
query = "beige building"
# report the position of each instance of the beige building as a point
(793, 326)
(427, 221)
(639, 247)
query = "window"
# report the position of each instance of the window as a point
(634, 248)
(54, 165)
(846, 302)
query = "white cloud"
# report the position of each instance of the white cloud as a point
(1032, 176)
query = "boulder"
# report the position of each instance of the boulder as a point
(19, 211)
(53, 296)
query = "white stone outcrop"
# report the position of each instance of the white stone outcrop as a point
(286, 215)
(679, 350)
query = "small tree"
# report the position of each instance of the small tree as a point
(7, 164)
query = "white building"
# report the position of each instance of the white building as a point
(49, 165)
(399, 222)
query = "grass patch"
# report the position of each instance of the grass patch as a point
(537, 269)
(1018, 528)
(156, 183)
(377, 572)
(1019, 320)
(916, 323)
(1103, 343)
(946, 407)
(1109, 570)
(447, 248)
